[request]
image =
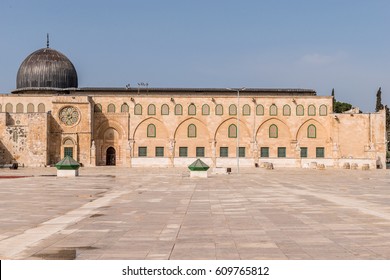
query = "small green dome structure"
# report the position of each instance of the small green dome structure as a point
(67, 163)
(198, 165)
(67, 167)
(198, 169)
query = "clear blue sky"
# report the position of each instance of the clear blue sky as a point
(317, 44)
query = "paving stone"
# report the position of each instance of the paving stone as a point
(119, 213)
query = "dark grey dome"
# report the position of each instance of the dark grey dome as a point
(46, 68)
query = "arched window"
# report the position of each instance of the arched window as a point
(19, 108)
(246, 110)
(273, 131)
(111, 108)
(97, 108)
(151, 109)
(311, 110)
(260, 110)
(205, 109)
(323, 110)
(124, 108)
(191, 110)
(138, 109)
(151, 131)
(300, 110)
(41, 108)
(0, 108)
(232, 131)
(219, 110)
(164, 109)
(273, 110)
(178, 109)
(311, 131)
(191, 131)
(30, 108)
(232, 110)
(9, 108)
(286, 110)
(68, 147)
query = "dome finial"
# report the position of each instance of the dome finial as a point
(47, 41)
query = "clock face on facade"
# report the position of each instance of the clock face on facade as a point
(69, 115)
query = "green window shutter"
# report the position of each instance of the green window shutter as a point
(159, 151)
(68, 151)
(142, 151)
(241, 152)
(223, 151)
(183, 151)
(303, 152)
(199, 151)
(264, 152)
(281, 152)
(320, 152)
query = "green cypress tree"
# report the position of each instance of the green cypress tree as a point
(379, 105)
(334, 100)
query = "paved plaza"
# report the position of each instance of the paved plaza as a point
(121, 213)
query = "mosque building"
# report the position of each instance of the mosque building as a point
(48, 116)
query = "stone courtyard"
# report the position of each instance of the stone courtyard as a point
(122, 213)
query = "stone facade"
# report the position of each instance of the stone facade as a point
(173, 127)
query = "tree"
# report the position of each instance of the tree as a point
(333, 100)
(379, 105)
(340, 107)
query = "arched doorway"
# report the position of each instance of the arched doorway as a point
(110, 156)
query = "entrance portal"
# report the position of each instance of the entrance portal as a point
(110, 156)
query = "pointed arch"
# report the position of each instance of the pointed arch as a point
(97, 108)
(164, 109)
(41, 108)
(138, 109)
(243, 126)
(30, 108)
(232, 110)
(151, 130)
(111, 108)
(311, 131)
(273, 110)
(323, 110)
(273, 131)
(191, 131)
(191, 110)
(219, 110)
(124, 108)
(260, 110)
(300, 110)
(232, 131)
(311, 110)
(107, 124)
(320, 129)
(205, 110)
(178, 109)
(246, 110)
(151, 110)
(286, 110)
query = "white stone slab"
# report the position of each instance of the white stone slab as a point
(198, 174)
(67, 173)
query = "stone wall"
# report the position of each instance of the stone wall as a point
(23, 138)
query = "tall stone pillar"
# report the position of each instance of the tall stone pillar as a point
(171, 149)
(92, 161)
(255, 152)
(297, 155)
(129, 150)
(335, 154)
(214, 152)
